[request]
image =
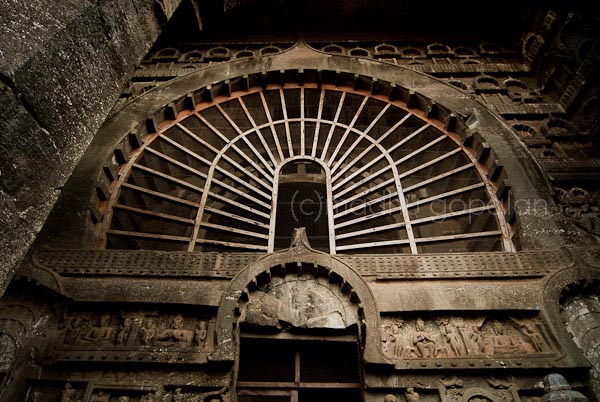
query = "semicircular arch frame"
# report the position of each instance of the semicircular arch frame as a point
(417, 91)
(322, 264)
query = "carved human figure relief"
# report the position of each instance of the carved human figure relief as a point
(102, 333)
(424, 344)
(301, 302)
(411, 395)
(69, 393)
(176, 334)
(453, 337)
(100, 396)
(461, 337)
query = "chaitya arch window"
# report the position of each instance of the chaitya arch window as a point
(383, 178)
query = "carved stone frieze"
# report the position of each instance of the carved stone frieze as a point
(466, 341)
(301, 302)
(384, 267)
(134, 336)
(105, 392)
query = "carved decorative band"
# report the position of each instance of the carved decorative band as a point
(227, 265)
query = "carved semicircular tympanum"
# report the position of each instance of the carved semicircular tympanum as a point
(371, 174)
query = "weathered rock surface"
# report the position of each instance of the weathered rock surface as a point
(62, 67)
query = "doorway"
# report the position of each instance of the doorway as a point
(305, 369)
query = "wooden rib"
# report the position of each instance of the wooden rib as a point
(286, 123)
(446, 194)
(313, 152)
(257, 131)
(237, 217)
(360, 137)
(242, 182)
(235, 230)
(419, 150)
(147, 235)
(373, 244)
(458, 236)
(185, 150)
(302, 124)
(365, 204)
(431, 162)
(375, 229)
(243, 155)
(160, 195)
(438, 177)
(203, 175)
(404, 209)
(369, 217)
(270, 120)
(370, 147)
(451, 214)
(238, 205)
(155, 214)
(240, 193)
(408, 138)
(219, 168)
(196, 138)
(233, 244)
(333, 125)
(377, 158)
(350, 127)
(249, 144)
(359, 171)
(362, 181)
(176, 162)
(168, 177)
(364, 193)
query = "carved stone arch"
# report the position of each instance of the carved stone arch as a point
(497, 143)
(300, 254)
(557, 289)
(479, 392)
(579, 304)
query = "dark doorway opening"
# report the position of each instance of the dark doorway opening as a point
(302, 202)
(292, 370)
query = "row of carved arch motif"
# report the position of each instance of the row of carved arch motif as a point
(205, 53)
(403, 50)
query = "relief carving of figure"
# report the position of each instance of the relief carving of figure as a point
(476, 339)
(123, 399)
(263, 312)
(533, 336)
(124, 331)
(76, 328)
(69, 393)
(148, 332)
(149, 397)
(423, 341)
(453, 337)
(390, 398)
(176, 334)
(200, 334)
(454, 388)
(103, 333)
(179, 396)
(100, 396)
(411, 395)
(390, 338)
(502, 342)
